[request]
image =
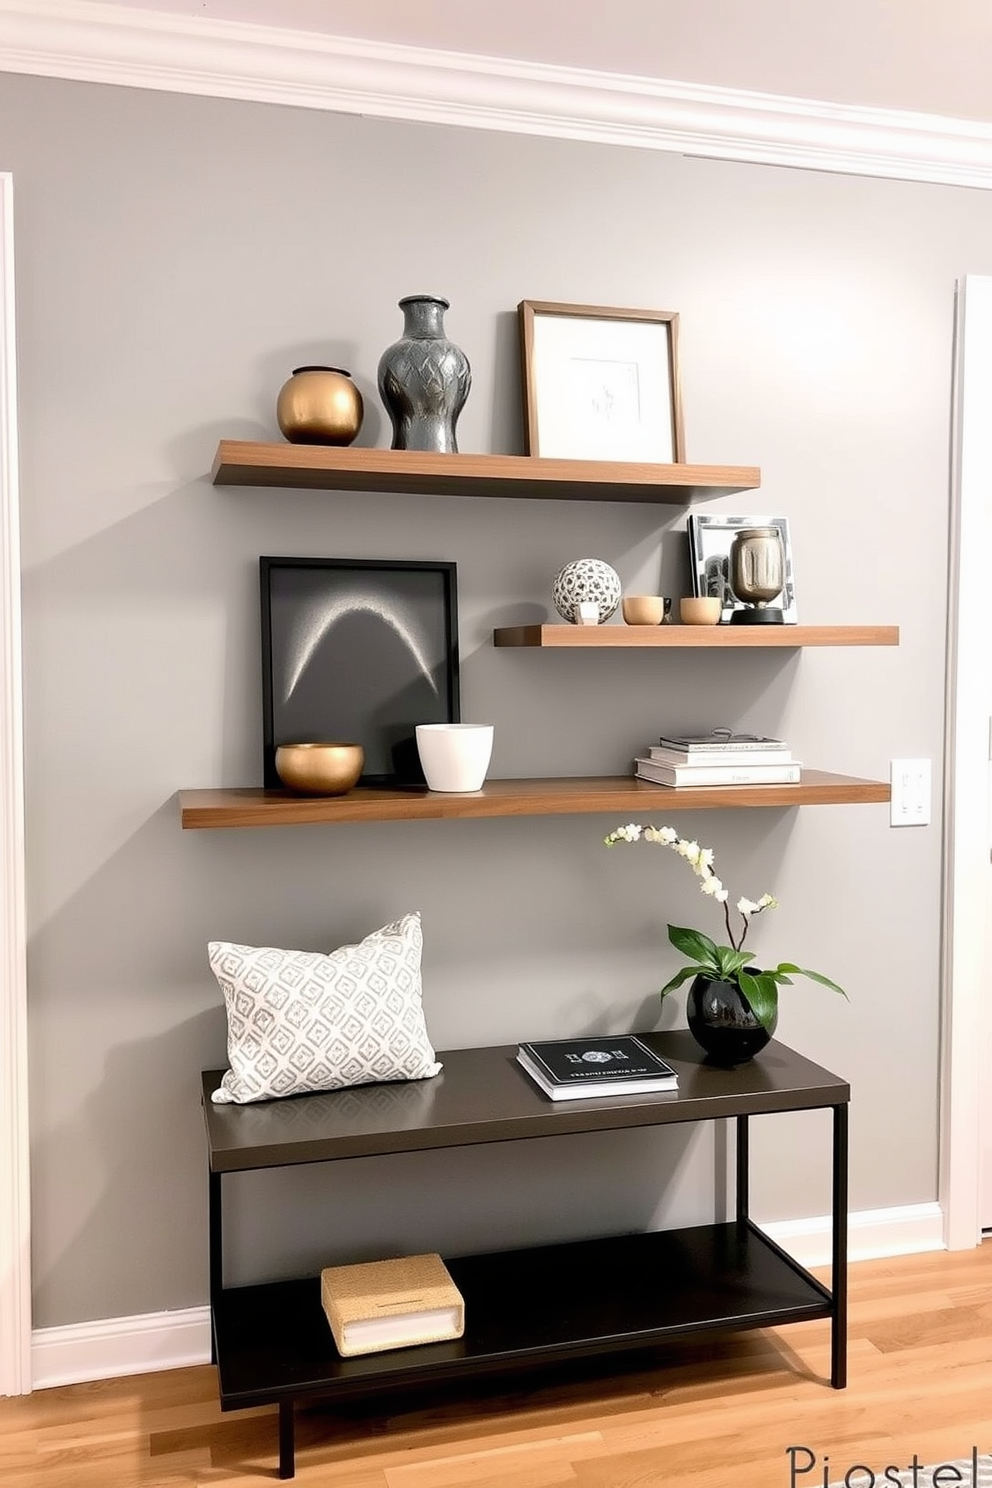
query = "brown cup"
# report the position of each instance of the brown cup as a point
(644, 609)
(701, 610)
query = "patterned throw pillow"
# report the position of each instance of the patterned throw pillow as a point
(300, 1021)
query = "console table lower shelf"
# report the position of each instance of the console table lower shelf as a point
(523, 1309)
(527, 1308)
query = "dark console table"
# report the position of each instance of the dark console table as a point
(533, 1307)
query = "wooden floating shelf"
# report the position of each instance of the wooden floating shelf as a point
(327, 467)
(669, 637)
(571, 796)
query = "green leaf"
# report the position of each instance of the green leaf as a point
(761, 994)
(696, 945)
(824, 981)
(682, 976)
(731, 961)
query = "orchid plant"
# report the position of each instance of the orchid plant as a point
(724, 963)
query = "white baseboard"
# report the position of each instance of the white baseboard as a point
(151, 1341)
(112, 1347)
(871, 1234)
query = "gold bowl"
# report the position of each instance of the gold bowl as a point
(324, 769)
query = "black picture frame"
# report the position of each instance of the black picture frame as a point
(358, 650)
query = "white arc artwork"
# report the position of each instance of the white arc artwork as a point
(314, 622)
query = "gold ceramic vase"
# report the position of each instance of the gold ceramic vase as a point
(319, 405)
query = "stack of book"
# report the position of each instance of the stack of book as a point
(719, 757)
(578, 1069)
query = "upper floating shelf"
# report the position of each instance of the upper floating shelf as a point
(675, 636)
(327, 467)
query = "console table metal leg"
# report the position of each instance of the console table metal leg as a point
(287, 1439)
(743, 1162)
(838, 1270)
(216, 1251)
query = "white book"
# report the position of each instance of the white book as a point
(660, 774)
(779, 756)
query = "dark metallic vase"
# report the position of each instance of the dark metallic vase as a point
(424, 379)
(722, 1023)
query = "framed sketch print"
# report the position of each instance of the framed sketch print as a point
(601, 383)
(709, 555)
(361, 651)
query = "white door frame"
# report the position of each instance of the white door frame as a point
(967, 835)
(15, 1218)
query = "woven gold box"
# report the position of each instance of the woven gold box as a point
(379, 1305)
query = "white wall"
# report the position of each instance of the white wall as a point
(176, 258)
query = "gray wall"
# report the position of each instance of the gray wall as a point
(175, 258)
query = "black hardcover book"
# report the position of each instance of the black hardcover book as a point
(582, 1068)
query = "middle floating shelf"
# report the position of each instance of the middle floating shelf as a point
(253, 806)
(668, 637)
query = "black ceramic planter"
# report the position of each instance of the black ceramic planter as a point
(722, 1023)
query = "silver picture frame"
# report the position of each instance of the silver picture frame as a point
(710, 538)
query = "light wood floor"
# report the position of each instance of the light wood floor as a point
(710, 1416)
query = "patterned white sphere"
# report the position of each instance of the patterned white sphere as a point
(587, 578)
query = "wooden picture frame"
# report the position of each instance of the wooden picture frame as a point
(361, 651)
(601, 383)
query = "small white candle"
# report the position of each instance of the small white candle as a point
(587, 612)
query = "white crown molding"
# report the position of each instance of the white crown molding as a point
(103, 43)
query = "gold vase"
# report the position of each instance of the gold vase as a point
(757, 574)
(319, 405)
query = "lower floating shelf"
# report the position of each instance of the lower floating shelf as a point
(571, 796)
(524, 1308)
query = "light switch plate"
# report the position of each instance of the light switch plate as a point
(910, 804)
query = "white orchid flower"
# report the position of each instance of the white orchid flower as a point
(709, 959)
(700, 860)
(664, 835)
